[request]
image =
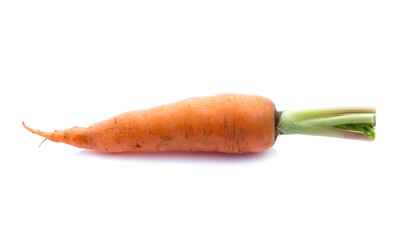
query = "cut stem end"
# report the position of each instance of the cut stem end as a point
(346, 122)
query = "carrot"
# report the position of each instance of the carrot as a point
(231, 123)
(226, 123)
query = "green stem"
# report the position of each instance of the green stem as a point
(343, 119)
(341, 122)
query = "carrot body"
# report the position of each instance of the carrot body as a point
(231, 123)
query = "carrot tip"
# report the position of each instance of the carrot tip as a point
(29, 129)
(38, 132)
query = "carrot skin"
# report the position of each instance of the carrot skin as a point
(231, 123)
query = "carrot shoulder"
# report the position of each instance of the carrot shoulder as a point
(232, 123)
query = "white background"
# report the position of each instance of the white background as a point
(68, 63)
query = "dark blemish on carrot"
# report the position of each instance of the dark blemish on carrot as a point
(203, 139)
(120, 144)
(80, 139)
(137, 146)
(163, 138)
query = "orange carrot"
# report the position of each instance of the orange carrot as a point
(231, 123)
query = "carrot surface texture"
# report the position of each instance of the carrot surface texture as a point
(231, 123)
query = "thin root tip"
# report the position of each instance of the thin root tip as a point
(28, 128)
(38, 132)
